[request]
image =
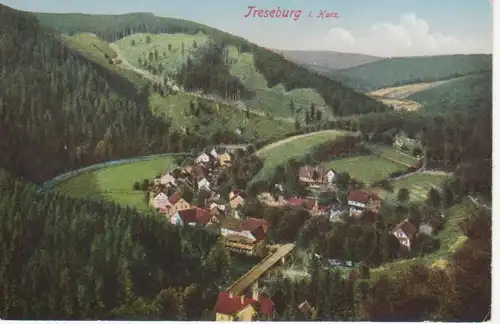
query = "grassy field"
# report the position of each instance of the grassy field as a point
(451, 238)
(114, 183)
(273, 100)
(295, 147)
(417, 184)
(405, 91)
(399, 104)
(138, 46)
(399, 156)
(367, 169)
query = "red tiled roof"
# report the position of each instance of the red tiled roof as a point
(230, 305)
(203, 216)
(299, 202)
(359, 196)
(188, 215)
(174, 198)
(295, 202)
(253, 223)
(408, 228)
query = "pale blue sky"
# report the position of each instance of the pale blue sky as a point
(383, 27)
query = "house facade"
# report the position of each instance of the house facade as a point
(360, 201)
(204, 184)
(236, 199)
(405, 232)
(225, 159)
(159, 201)
(203, 158)
(177, 203)
(316, 175)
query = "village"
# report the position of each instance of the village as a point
(243, 233)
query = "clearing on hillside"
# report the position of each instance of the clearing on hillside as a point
(214, 117)
(418, 184)
(405, 91)
(114, 183)
(367, 169)
(170, 51)
(294, 147)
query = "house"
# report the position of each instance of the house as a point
(316, 175)
(253, 229)
(236, 198)
(307, 203)
(241, 308)
(168, 179)
(191, 216)
(360, 201)
(159, 201)
(177, 203)
(225, 159)
(203, 183)
(404, 232)
(333, 212)
(203, 158)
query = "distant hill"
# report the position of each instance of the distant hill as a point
(265, 80)
(469, 93)
(327, 61)
(407, 70)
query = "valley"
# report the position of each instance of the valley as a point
(156, 168)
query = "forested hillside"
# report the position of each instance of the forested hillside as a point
(274, 67)
(60, 111)
(71, 259)
(469, 93)
(406, 70)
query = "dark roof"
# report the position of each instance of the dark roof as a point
(238, 193)
(361, 196)
(308, 172)
(174, 198)
(195, 215)
(253, 223)
(299, 202)
(188, 215)
(203, 216)
(408, 228)
(230, 305)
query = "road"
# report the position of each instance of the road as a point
(154, 78)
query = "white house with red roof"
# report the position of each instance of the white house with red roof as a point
(241, 308)
(360, 201)
(405, 232)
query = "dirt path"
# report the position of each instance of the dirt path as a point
(126, 64)
(289, 139)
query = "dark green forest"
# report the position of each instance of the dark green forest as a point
(275, 68)
(406, 70)
(466, 93)
(57, 106)
(92, 260)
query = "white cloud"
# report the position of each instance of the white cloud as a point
(411, 36)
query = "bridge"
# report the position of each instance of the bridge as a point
(251, 277)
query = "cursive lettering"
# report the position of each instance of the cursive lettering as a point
(273, 13)
(326, 14)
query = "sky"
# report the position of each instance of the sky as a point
(382, 28)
